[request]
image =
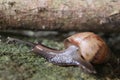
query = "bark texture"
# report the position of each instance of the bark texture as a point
(61, 15)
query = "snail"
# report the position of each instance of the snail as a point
(81, 50)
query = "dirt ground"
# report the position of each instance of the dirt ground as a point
(17, 62)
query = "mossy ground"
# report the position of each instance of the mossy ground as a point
(18, 63)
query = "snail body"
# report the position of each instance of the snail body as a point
(82, 49)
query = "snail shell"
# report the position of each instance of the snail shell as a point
(92, 48)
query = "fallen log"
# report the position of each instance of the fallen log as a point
(61, 15)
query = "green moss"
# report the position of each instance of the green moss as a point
(18, 63)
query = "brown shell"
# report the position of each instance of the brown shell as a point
(92, 48)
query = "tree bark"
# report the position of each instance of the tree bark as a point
(61, 15)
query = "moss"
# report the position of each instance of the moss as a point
(18, 63)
